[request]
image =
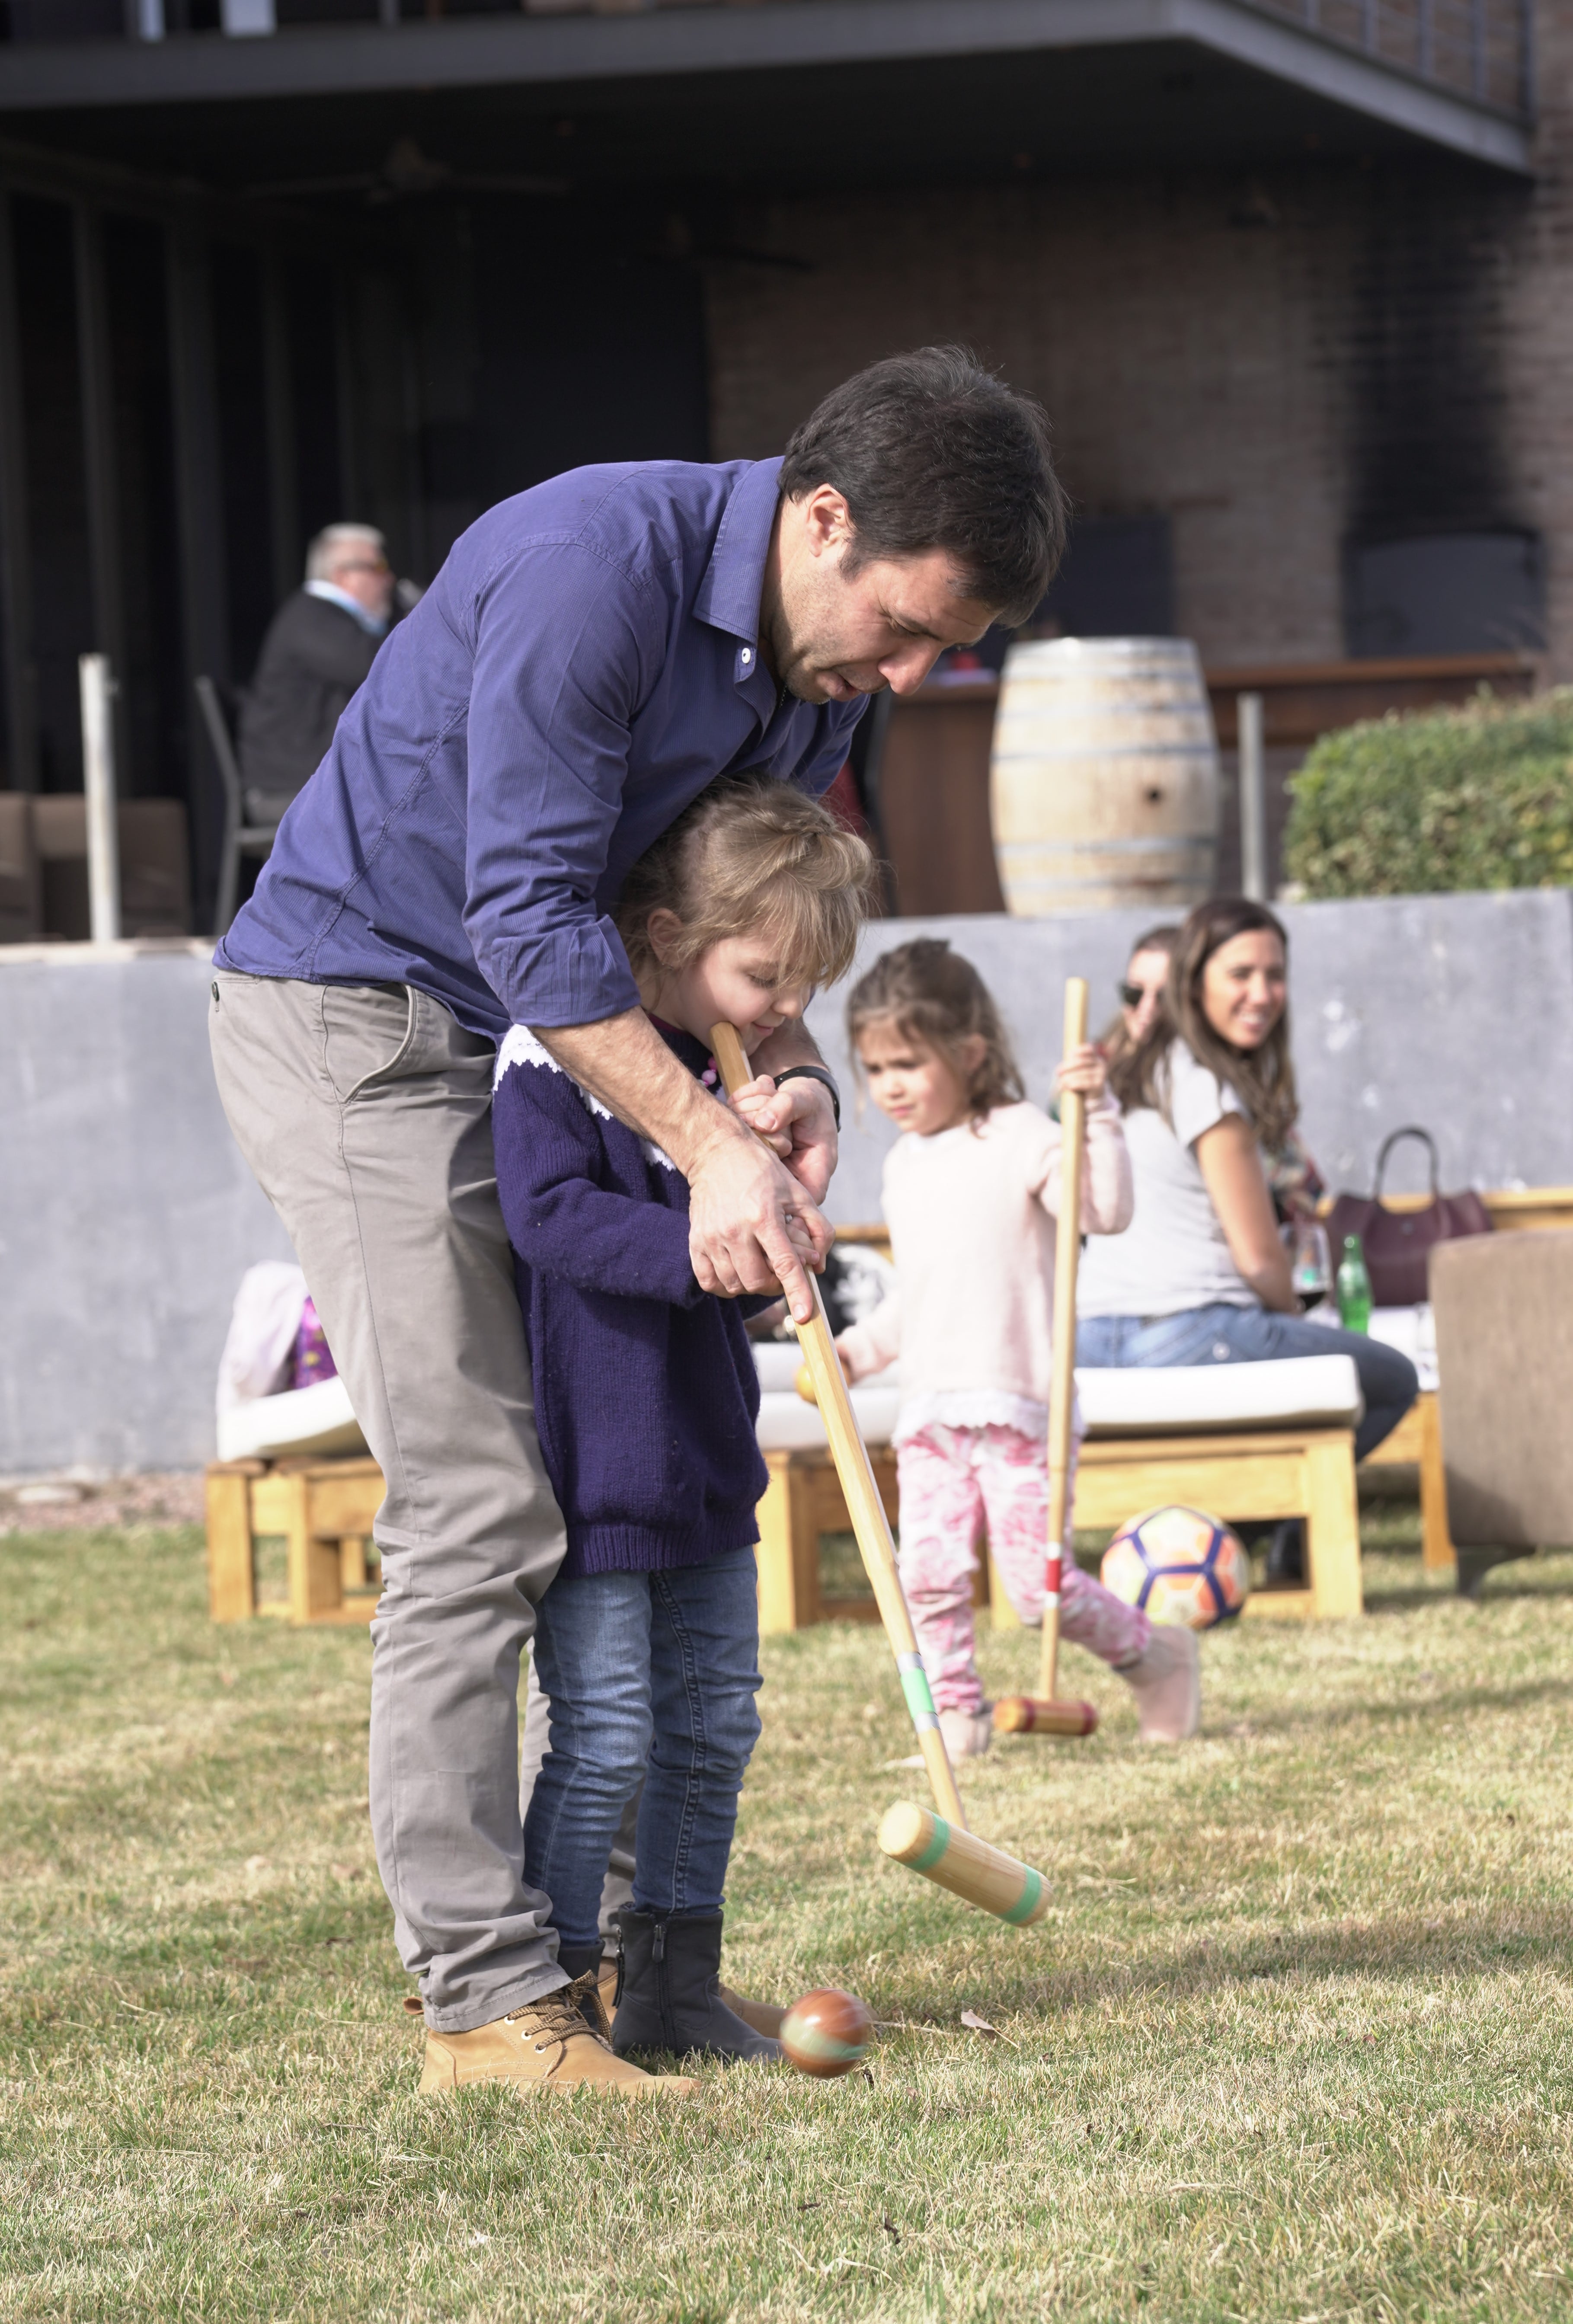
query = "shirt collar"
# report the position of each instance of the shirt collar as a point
(332, 594)
(729, 596)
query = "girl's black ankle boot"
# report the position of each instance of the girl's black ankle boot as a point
(669, 1973)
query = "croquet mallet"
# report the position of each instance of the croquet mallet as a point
(937, 1845)
(1044, 1713)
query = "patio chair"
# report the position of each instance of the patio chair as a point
(240, 838)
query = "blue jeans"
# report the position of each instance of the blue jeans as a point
(651, 1676)
(1254, 1335)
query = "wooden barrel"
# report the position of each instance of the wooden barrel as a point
(1104, 783)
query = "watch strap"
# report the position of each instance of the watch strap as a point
(814, 1074)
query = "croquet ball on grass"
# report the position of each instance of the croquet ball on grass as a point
(1179, 1565)
(827, 2032)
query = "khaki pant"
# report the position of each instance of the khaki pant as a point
(365, 1113)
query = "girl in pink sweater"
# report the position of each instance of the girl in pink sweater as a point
(970, 1192)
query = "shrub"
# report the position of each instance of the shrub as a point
(1477, 797)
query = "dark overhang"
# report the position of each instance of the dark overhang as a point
(795, 90)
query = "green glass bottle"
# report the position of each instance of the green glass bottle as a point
(1354, 1288)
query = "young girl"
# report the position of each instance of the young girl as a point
(970, 1194)
(646, 1398)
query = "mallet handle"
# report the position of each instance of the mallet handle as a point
(1062, 1382)
(864, 1506)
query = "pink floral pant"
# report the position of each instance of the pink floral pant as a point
(955, 1483)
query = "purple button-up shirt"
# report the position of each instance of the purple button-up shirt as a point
(585, 662)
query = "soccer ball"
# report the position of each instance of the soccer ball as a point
(1179, 1565)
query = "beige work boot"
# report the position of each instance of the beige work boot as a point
(546, 2045)
(764, 2017)
(968, 1733)
(1166, 1681)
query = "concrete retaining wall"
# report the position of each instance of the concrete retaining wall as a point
(127, 1216)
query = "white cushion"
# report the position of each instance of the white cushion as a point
(302, 1420)
(787, 1423)
(1299, 1391)
(776, 1363)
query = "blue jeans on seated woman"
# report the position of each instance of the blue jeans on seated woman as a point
(651, 1676)
(1254, 1335)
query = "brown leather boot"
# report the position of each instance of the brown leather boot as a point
(764, 2017)
(546, 2045)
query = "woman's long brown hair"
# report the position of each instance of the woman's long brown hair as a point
(1263, 1079)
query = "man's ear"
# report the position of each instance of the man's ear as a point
(661, 931)
(827, 522)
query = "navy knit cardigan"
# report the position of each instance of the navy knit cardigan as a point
(644, 1388)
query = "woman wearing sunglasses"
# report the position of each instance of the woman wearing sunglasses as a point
(1141, 991)
(1200, 1275)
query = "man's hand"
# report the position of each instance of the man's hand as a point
(798, 1123)
(802, 1112)
(753, 1220)
(752, 1227)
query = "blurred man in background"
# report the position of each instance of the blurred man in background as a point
(319, 647)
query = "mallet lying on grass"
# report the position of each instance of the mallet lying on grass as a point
(938, 1846)
(1042, 1713)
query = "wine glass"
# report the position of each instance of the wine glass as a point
(1311, 1266)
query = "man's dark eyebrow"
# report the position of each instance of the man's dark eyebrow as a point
(909, 629)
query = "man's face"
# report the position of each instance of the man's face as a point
(364, 573)
(831, 636)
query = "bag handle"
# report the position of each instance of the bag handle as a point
(1411, 1129)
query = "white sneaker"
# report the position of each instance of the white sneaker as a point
(968, 1733)
(1167, 1685)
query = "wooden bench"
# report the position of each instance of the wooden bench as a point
(1417, 1443)
(803, 1502)
(1258, 1473)
(324, 1509)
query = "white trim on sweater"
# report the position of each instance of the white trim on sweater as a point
(519, 1046)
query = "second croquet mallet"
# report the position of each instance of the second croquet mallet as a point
(1044, 1713)
(938, 1846)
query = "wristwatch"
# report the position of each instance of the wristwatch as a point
(814, 1074)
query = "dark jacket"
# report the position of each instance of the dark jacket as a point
(314, 657)
(646, 1391)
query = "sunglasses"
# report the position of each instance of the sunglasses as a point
(380, 566)
(1132, 995)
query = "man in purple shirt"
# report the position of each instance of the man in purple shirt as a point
(592, 653)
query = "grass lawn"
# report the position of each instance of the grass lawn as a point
(1294, 2041)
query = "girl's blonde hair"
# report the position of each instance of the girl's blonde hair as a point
(752, 853)
(936, 997)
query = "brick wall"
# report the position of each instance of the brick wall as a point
(1537, 308)
(1274, 361)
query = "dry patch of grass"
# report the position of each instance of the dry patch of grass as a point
(1293, 2042)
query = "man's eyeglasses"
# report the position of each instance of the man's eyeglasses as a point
(1132, 995)
(365, 566)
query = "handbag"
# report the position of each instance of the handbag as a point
(1398, 1243)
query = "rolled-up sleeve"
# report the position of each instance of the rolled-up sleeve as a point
(567, 645)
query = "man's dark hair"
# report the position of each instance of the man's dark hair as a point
(931, 451)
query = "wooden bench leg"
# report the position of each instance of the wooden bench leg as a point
(1437, 1555)
(232, 1589)
(316, 1582)
(788, 1551)
(1332, 1527)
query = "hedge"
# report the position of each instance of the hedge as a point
(1477, 797)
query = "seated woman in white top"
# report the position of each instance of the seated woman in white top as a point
(1200, 1275)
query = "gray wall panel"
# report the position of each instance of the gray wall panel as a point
(127, 1215)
